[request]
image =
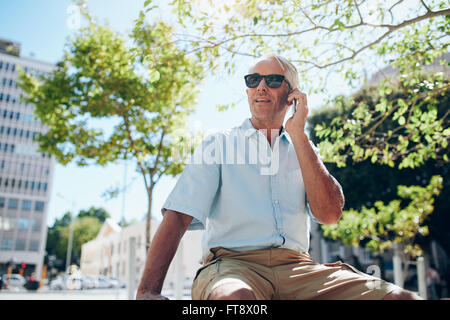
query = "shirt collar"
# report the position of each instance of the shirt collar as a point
(250, 130)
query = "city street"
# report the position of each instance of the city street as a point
(94, 294)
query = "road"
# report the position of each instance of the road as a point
(92, 294)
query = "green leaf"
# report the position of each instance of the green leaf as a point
(154, 76)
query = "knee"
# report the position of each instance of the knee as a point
(230, 292)
(402, 294)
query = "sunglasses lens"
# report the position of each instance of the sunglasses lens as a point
(252, 80)
(274, 80)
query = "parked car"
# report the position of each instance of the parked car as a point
(57, 284)
(104, 282)
(89, 282)
(66, 283)
(16, 281)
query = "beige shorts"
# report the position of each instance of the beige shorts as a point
(284, 274)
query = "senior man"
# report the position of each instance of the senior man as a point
(254, 189)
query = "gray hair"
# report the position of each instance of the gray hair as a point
(290, 71)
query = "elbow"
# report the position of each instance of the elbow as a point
(336, 212)
(332, 217)
(336, 216)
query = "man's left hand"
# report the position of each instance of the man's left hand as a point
(296, 123)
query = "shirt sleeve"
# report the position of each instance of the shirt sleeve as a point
(308, 209)
(196, 188)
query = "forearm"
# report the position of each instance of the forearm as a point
(325, 198)
(162, 250)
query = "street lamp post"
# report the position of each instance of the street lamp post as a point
(69, 243)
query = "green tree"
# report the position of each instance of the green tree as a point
(99, 213)
(84, 229)
(87, 224)
(383, 225)
(376, 218)
(335, 45)
(145, 89)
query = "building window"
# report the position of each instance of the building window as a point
(34, 245)
(13, 203)
(23, 224)
(2, 202)
(5, 223)
(39, 206)
(26, 205)
(20, 245)
(36, 225)
(6, 244)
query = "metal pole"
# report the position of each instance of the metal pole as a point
(324, 251)
(179, 276)
(69, 244)
(421, 277)
(397, 262)
(132, 269)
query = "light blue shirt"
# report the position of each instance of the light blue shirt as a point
(245, 194)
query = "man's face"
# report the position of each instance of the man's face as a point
(268, 104)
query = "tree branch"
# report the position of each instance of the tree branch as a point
(426, 7)
(391, 28)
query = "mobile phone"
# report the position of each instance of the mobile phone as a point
(295, 105)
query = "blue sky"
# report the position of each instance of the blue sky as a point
(42, 28)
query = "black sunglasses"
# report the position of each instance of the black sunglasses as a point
(272, 80)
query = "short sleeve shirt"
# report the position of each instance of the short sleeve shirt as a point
(245, 194)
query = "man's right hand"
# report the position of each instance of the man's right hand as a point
(150, 296)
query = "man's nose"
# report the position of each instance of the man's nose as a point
(262, 86)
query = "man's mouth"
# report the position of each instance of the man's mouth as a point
(262, 100)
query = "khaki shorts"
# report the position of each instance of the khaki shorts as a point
(284, 274)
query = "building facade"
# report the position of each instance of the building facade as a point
(25, 173)
(108, 253)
